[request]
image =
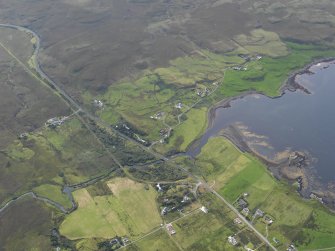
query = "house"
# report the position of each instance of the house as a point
(179, 106)
(268, 220)
(291, 248)
(23, 136)
(170, 229)
(237, 221)
(185, 199)
(204, 209)
(242, 203)
(232, 240)
(245, 211)
(164, 211)
(275, 240)
(159, 187)
(126, 127)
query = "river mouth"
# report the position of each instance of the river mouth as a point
(299, 122)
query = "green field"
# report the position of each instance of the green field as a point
(268, 74)
(158, 241)
(192, 128)
(130, 210)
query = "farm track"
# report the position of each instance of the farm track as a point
(44, 79)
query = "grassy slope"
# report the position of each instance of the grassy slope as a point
(292, 215)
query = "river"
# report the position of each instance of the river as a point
(296, 121)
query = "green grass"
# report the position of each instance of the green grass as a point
(216, 156)
(130, 210)
(53, 192)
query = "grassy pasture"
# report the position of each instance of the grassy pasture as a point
(131, 210)
(158, 241)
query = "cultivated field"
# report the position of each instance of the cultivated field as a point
(129, 210)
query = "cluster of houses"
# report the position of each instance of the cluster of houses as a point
(242, 204)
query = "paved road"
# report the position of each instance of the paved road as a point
(75, 106)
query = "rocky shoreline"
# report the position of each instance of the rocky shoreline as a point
(295, 167)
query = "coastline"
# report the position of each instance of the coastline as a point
(309, 183)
